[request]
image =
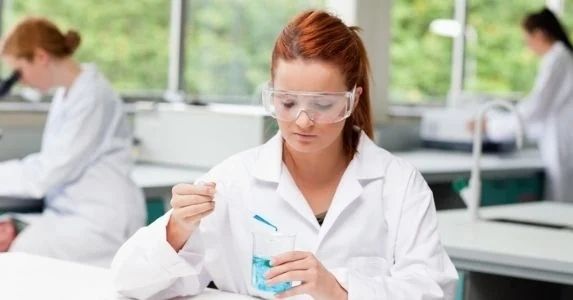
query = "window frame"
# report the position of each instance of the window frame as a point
(458, 66)
(356, 12)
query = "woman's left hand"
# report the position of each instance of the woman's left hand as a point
(7, 235)
(471, 126)
(315, 280)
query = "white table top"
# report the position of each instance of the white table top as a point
(155, 180)
(440, 165)
(156, 176)
(24, 276)
(545, 212)
(511, 249)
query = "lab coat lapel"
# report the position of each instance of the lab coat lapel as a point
(349, 189)
(289, 192)
(269, 167)
(268, 164)
(369, 163)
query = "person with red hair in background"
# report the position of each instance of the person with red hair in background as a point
(82, 171)
(364, 220)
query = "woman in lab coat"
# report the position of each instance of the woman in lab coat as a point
(364, 220)
(547, 111)
(83, 169)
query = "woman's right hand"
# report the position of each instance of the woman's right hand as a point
(7, 235)
(190, 203)
(472, 125)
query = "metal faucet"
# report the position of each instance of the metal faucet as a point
(472, 193)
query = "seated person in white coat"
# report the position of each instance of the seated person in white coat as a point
(376, 207)
(83, 168)
(547, 111)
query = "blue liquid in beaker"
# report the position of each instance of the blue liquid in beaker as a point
(261, 266)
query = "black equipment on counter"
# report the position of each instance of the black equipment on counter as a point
(7, 84)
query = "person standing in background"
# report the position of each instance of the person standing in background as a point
(547, 111)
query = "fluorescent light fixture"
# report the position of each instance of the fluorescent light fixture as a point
(446, 27)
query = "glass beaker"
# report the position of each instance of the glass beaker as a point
(266, 245)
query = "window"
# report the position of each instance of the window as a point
(420, 61)
(497, 59)
(565, 17)
(229, 44)
(128, 40)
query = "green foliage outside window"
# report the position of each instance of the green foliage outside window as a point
(420, 61)
(128, 40)
(502, 62)
(229, 43)
(498, 62)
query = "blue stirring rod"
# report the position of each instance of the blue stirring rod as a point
(262, 220)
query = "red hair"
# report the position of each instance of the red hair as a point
(318, 35)
(34, 32)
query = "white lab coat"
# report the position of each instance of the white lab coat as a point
(83, 172)
(382, 210)
(547, 113)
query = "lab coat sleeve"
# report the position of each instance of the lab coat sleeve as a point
(147, 267)
(63, 160)
(535, 108)
(421, 269)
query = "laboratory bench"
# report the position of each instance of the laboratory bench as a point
(513, 177)
(21, 106)
(517, 251)
(155, 180)
(508, 178)
(27, 277)
(435, 165)
(439, 168)
(445, 166)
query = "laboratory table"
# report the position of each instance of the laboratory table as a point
(24, 276)
(529, 240)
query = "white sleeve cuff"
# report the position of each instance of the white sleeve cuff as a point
(184, 263)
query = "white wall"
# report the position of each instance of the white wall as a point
(373, 16)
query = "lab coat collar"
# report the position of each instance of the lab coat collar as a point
(268, 164)
(558, 46)
(555, 50)
(369, 162)
(85, 76)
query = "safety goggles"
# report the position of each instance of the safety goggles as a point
(320, 107)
